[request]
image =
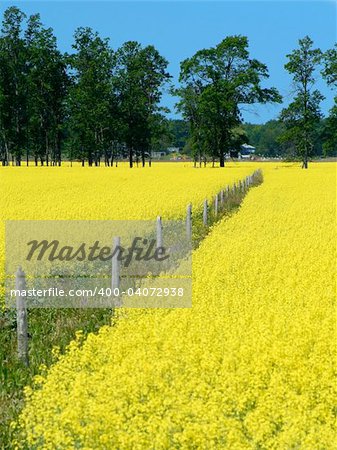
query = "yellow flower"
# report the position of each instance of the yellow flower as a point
(250, 365)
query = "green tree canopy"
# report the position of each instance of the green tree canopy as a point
(215, 84)
(139, 76)
(330, 129)
(303, 114)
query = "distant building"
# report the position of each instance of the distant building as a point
(247, 151)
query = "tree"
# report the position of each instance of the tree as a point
(161, 136)
(179, 130)
(32, 90)
(303, 114)
(215, 84)
(330, 127)
(330, 67)
(13, 89)
(238, 137)
(47, 84)
(189, 107)
(139, 75)
(90, 101)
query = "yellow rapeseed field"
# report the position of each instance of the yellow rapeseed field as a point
(110, 193)
(107, 193)
(251, 365)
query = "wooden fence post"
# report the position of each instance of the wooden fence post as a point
(222, 198)
(159, 228)
(189, 221)
(21, 318)
(116, 264)
(205, 213)
(216, 205)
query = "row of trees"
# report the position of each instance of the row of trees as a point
(95, 103)
(99, 103)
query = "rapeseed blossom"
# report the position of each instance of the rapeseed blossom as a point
(107, 193)
(250, 365)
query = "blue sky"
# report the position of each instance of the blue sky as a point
(178, 29)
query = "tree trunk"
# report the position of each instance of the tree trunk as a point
(131, 158)
(58, 148)
(222, 160)
(6, 154)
